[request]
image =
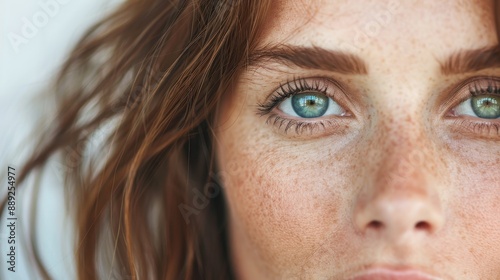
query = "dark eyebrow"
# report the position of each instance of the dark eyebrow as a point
(310, 58)
(345, 63)
(472, 60)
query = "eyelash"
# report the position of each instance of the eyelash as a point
(491, 89)
(286, 90)
(299, 85)
(474, 88)
(292, 87)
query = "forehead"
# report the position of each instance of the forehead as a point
(374, 26)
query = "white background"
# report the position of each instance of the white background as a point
(36, 36)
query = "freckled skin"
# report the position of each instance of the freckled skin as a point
(398, 185)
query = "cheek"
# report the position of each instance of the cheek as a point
(478, 228)
(286, 199)
(475, 202)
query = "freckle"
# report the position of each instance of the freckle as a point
(471, 250)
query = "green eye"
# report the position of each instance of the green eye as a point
(486, 106)
(310, 105)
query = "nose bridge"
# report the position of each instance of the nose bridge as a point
(405, 160)
(400, 194)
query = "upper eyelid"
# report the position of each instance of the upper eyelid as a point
(340, 91)
(328, 85)
(304, 80)
(293, 82)
(303, 84)
(319, 84)
(456, 93)
(476, 89)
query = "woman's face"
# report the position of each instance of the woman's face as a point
(365, 136)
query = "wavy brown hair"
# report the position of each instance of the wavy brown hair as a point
(156, 71)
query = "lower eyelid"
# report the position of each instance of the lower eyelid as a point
(311, 128)
(463, 122)
(474, 129)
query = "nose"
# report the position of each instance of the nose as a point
(395, 216)
(401, 198)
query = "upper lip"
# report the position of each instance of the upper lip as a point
(393, 273)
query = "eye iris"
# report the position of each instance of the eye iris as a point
(486, 106)
(309, 105)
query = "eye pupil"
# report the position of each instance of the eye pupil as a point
(310, 105)
(486, 106)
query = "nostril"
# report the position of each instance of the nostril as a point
(375, 224)
(422, 225)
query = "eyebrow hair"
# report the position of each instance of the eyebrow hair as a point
(472, 60)
(315, 57)
(309, 58)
